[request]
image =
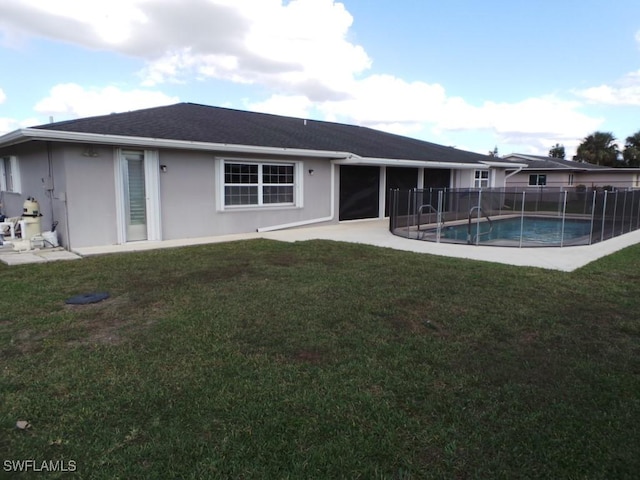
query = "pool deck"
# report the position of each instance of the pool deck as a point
(376, 232)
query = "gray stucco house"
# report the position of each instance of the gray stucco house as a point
(188, 171)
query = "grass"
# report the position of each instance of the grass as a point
(261, 359)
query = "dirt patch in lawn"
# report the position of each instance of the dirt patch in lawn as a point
(110, 321)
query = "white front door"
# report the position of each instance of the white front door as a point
(135, 197)
(138, 194)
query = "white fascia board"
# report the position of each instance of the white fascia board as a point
(504, 164)
(12, 138)
(394, 162)
(27, 134)
(613, 170)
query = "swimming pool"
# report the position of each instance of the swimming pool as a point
(532, 231)
(543, 217)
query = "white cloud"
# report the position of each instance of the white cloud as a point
(300, 50)
(10, 124)
(292, 106)
(625, 92)
(70, 100)
(94, 23)
(298, 46)
(406, 108)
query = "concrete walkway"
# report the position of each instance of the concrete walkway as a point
(376, 232)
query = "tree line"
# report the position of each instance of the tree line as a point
(600, 148)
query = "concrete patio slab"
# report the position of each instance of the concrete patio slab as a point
(55, 255)
(36, 256)
(20, 258)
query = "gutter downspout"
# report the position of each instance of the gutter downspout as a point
(513, 173)
(50, 185)
(313, 220)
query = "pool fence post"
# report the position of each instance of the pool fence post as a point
(478, 220)
(624, 211)
(631, 203)
(439, 216)
(560, 201)
(392, 211)
(604, 214)
(615, 211)
(409, 210)
(522, 218)
(638, 218)
(564, 215)
(416, 218)
(593, 213)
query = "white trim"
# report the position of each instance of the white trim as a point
(298, 185)
(26, 134)
(394, 162)
(218, 183)
(382, 191)
(15, 174)
(3, 180)
(420, 183)
(298, 191)
(121, 222)
(152, 189)
(504, 164)
(475, 184)
(16, 183)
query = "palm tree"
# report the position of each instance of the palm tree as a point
(599, 148)
(632, 150)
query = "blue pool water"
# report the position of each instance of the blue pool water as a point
(535, 230)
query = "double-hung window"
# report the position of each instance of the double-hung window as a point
(481, 179)
(259, 184)
(9, 174)
(536, 179)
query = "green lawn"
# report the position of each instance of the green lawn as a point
(320, 359)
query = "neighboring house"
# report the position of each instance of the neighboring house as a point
(187, 170)
(557, 172)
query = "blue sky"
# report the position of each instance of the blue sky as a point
(518, 75)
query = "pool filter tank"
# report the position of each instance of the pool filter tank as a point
(31, 217)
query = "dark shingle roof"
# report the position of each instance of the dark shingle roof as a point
(201, 123)
(538, 162)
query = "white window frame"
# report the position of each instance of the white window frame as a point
(571, 179)
(481, 178)
(14, 185)
(537, 179)
(221, 184)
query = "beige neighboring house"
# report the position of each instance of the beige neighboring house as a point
(557, 172)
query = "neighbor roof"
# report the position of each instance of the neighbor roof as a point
(200, 123)
(538, 162)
